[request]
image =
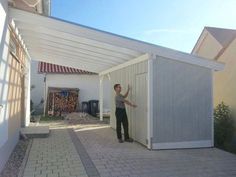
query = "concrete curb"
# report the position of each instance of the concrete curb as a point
(24, 162)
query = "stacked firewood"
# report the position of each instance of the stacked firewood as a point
(63, 102)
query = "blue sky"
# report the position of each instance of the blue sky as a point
(175, 24)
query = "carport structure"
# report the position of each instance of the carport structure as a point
(64, 43)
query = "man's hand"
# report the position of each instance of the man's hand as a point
(134, 105)
(130, 104)
(127, 93)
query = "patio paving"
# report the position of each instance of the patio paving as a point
(113, 159)
(55, 156)
(93, 151)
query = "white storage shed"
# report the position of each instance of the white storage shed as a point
(173, 90)
(175, 103)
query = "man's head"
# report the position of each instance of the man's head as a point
(117, 88)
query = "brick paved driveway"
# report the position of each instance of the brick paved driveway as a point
(54, 156)
(133, 160)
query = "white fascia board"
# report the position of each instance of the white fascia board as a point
(128, 63)
(127, 44)
(191, 59)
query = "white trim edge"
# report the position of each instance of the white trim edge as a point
(128, 63)
(101, 97)
(184, 144)
(194, 60)
(212, 108)
(150, 102)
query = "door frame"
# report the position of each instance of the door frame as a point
(135, 122)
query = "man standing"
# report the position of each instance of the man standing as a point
(121, 116)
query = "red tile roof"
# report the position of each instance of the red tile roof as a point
(57, 69)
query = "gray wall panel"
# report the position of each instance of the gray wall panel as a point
(182, 102)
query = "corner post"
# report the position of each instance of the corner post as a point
(150, 101)
(101, 97)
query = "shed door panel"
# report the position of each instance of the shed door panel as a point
(141, 110)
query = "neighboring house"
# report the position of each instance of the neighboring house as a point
(219, 44)
(14, 76)
(45, 75)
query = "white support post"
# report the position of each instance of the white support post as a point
(45, 95)
(101, 97)
(150, 102)
(212, 109)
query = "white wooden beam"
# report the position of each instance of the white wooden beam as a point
(93, 56)
(68, 63)
(67, 58)
(29, 34)
(101, 97)
(85, 39)
(61, 51)
(128, 63)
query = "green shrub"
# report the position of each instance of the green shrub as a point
(224, 127)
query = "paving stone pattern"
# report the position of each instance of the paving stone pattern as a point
(86, 160)
(113, 159)
(54, 156)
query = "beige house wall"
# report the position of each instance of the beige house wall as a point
(208, 48)
(225, 81)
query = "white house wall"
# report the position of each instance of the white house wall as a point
(124, 77)
(4, 70)
(88, 85)
(37, 80)
(6, 144)
(182, 105)
(8, 141)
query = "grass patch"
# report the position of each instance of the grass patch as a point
(51, 118)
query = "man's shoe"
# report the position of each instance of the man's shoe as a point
(130, 140)
(120, 141)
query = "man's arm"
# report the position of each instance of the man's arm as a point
(129, 103)
(127, 93)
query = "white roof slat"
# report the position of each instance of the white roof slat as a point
(40, 28)
(68, 62)
(68, 56)
(45, 43)
(74, 44)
